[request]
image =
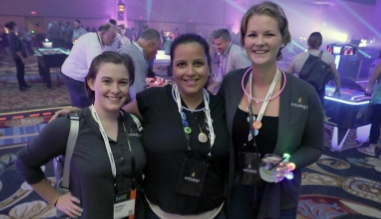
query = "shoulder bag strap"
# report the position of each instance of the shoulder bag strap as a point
(72, 139)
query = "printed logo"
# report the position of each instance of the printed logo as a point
(132, 134)
(299, 104)
(192, 178)
(250, 169)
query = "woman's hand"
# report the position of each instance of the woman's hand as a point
(64, 111)
(283, 169)
(69, 205)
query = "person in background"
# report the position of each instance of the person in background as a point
(78, 62)
(18, 53)
(376, 111)
(68, 36)
(4, 44)
(125, 41)
(117, 44)
(28, 41)
(176, 33)
(145, 48)
(231, 57)
(40, 35)
(315, 40)
(55, 34)
(78, 31)
(269, 112)
(93, 183)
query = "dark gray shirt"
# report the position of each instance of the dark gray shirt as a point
(91, 179)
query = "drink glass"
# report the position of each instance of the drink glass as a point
(267, 171)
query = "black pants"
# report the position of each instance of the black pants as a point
(78, 96)
(376, 122)
(321, 94)
(20, 73)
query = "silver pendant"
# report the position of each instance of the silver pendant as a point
(202, 137)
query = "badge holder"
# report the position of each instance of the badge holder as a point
(192, 177)
(250, 161)
(124, 197)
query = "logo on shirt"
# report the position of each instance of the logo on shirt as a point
(133, 134)
(250, 169)
(299, 104)
(192, 178)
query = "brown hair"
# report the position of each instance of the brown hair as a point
(273, 10)
(315, 40)
(109, 57)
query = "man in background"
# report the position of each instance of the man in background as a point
(120, 29)
(232, 57)
(78, 31)
(117, 44)
(77, 64)
(145, 48)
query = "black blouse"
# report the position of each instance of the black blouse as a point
(166, 149)
(266, 138)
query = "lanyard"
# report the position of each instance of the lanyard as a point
(100, 41)
(207, 113)
(252, 118)
(268, 96)
(108, 147)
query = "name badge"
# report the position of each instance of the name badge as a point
(124, 205)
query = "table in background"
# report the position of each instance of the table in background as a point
(345, 113)
(49, 58)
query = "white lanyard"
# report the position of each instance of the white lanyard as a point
(268, 96)
(100, 40)
(105, 139)
(207, 113)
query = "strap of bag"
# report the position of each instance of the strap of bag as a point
(320, 54)
(137, 122)
(73, 134)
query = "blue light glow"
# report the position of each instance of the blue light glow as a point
(346, 102)
(299, 46)
(364, 54)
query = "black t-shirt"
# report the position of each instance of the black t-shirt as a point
(266, 138)
(165, 145)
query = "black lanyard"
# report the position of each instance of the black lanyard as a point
(132, 157)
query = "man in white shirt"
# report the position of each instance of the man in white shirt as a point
(117, 44)
(77, 64)
(145, 48)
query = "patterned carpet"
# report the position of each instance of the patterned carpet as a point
(342, 184)
(38, 96)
